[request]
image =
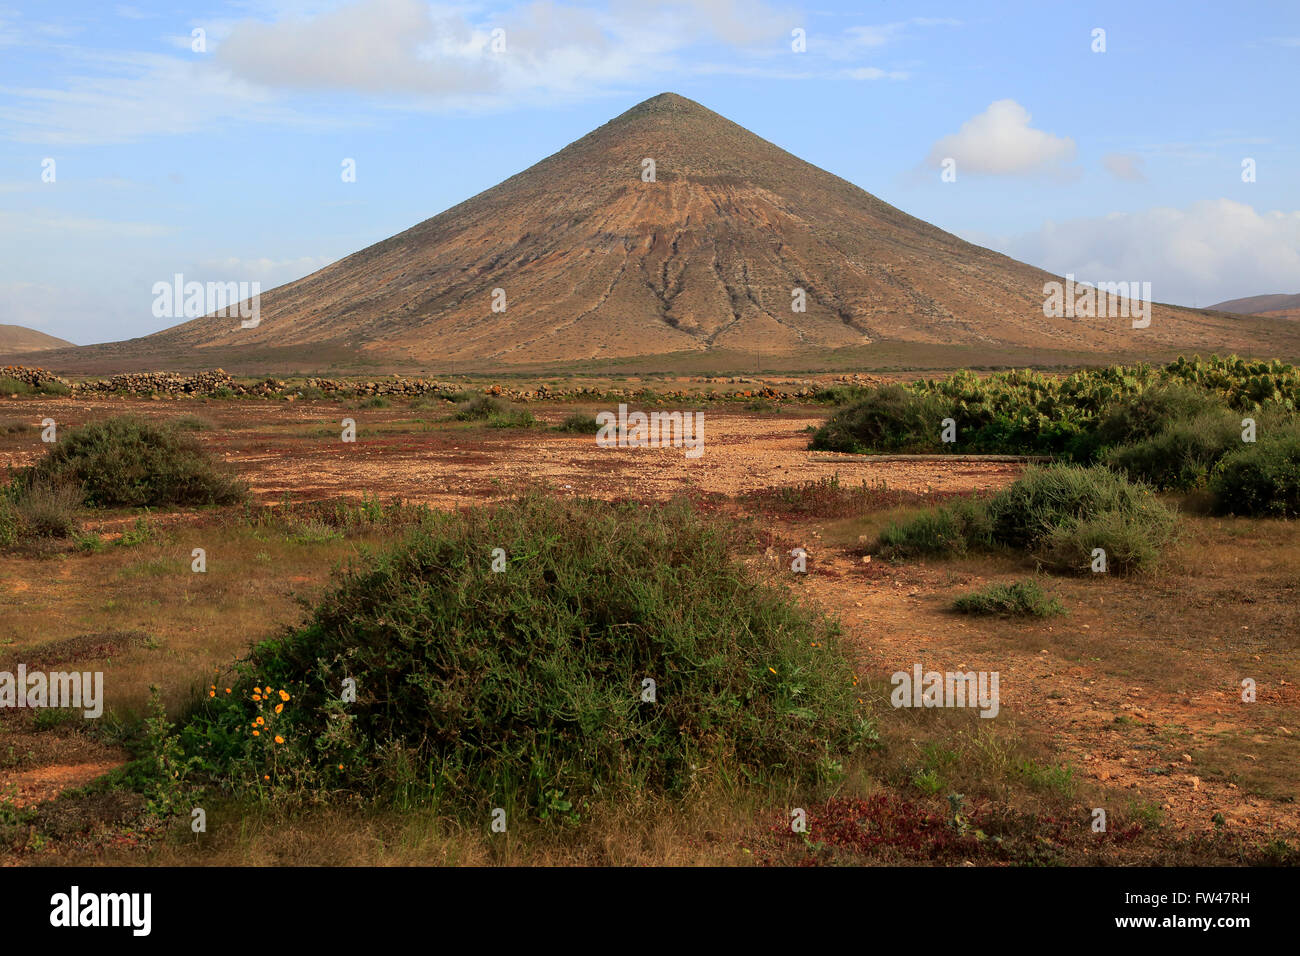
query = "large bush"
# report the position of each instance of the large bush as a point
(1262, 478)
(526, 687)
(133, 462)
(1045, 500)
(1182, 455)
(890, 418)
(1150, 412)
(1058, 514)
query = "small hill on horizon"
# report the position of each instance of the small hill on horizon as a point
(1260, 304)
(1279, 306)
(586, 257)
(19, 340)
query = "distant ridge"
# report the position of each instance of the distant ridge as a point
(1260, 304)
(17, 340)
(595, 263)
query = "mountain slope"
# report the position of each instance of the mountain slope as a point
(1257, 304)
(1279, 306)
(16, 339)
(595, 262)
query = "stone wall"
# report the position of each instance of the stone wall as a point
(218, 383)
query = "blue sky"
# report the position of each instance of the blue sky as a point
(225, 164)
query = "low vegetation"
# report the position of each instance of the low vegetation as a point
(1024, 598)
(36, 511)
(17, 387)
(579, 424)
(528, 687)
(128, 461)
(495, 412)
(831, 498)
(1168, 427)
(1059, 514)
(1261, 479)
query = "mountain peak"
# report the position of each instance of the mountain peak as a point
(668, 103)
(671, 229)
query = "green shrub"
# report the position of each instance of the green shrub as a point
(90, 542)
(374, 401)
(1262, 478)
(840, 394)
(1046, 498)
(1057, 513)
(1020, 599)
(14, 386)
(1149, 413)
(523, 688)
(1132, 542)
(134, 462)
(1183, 454)
(1075, 418)
(514, 418)
(311, 531)
(37, 510)
(481, 408)
(48, 511)
(580, 423)
(953, 528)
(889, 418)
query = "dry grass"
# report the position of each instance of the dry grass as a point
(193, 622)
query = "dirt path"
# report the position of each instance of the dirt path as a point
(742, 453)
(1113, 728)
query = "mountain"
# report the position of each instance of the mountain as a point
(16, 340)
(1280, 306)
(1257, 304)
(596, 263)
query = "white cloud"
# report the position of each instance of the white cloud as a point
(875, 73)
(269, 272)
(1125, 167)
(1213, 250)
(267, 66)
(388, 46)
(857, 40)
(64, 227)
(440, 55)
(123, 97)
(1000, 141)
(873, 36)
